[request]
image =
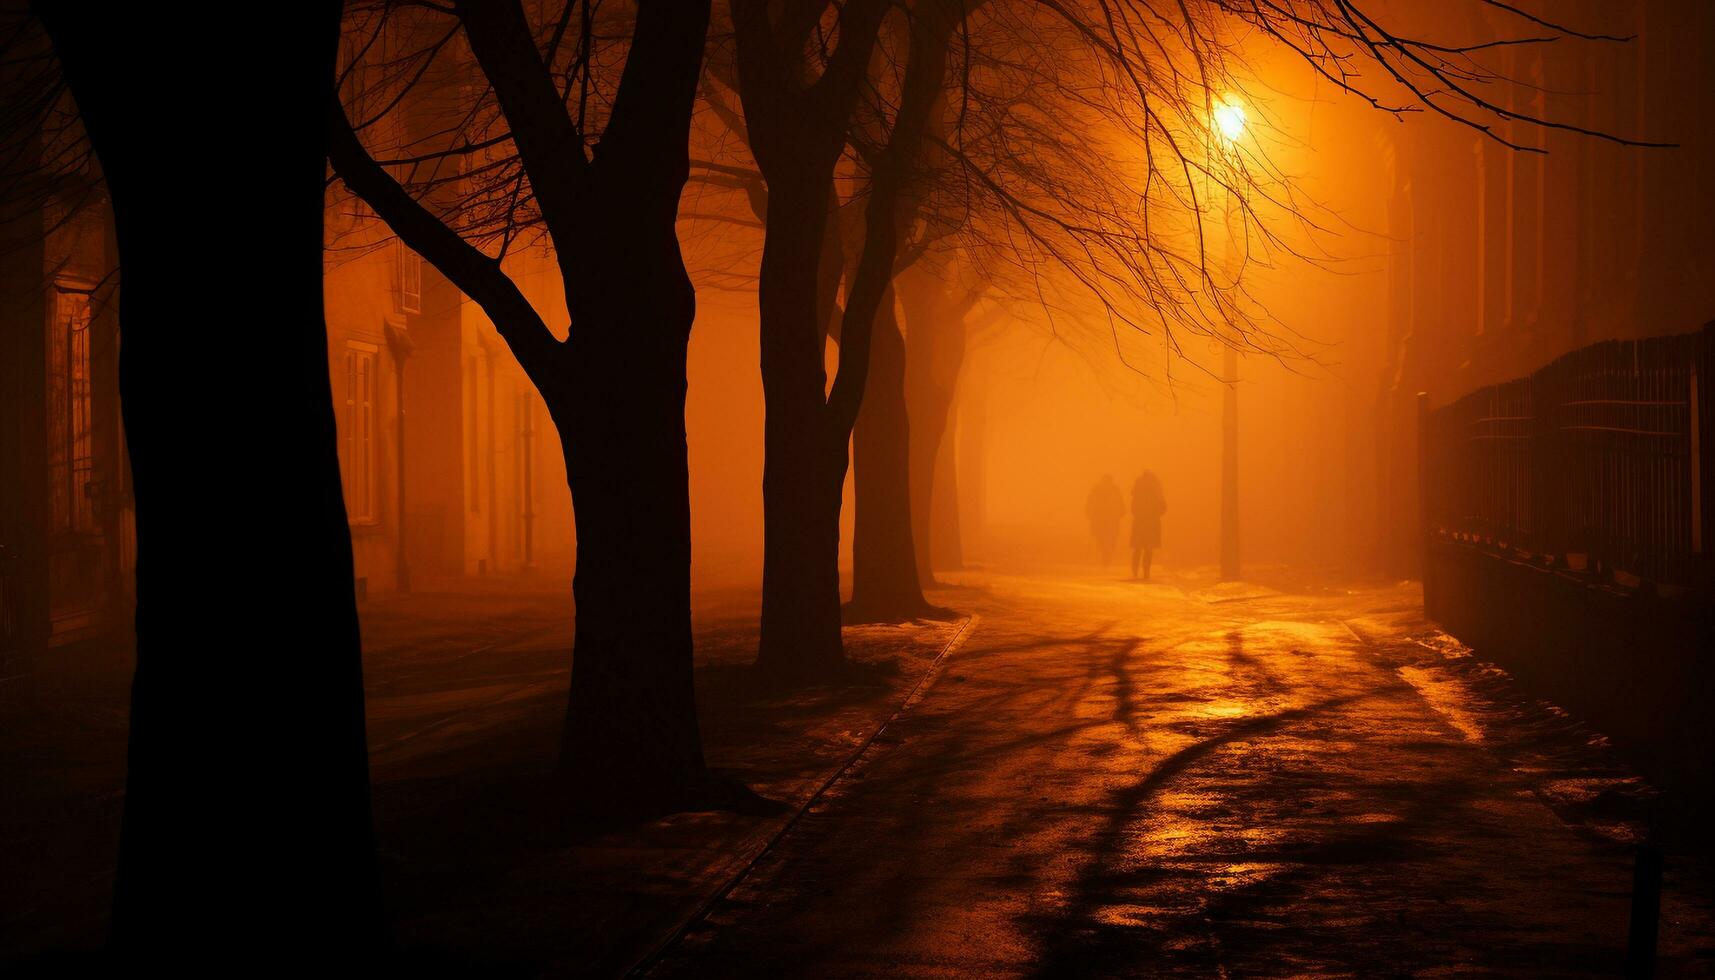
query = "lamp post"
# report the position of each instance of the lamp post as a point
(1228, 123)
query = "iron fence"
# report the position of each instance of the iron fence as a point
(1596, 463)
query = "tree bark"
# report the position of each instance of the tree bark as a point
(931, 413)
(935, 351)
(800, 580)
(946, 544)
(805, 466)
(631, 737)
(632, 743)
(246, 839)
(885, 581)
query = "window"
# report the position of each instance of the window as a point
(408, 272)
(71, 457)
(358, 446)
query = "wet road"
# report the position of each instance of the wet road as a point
(1122, 779)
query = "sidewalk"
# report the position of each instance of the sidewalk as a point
(466, 692)
(461, 733)
(1177, 779)
(1105, 776)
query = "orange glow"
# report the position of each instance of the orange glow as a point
(1229, 116)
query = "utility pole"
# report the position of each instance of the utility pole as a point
(1228, 125)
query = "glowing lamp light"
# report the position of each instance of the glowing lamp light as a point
(1230, 120)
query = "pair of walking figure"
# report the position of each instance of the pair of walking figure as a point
(1106, 509)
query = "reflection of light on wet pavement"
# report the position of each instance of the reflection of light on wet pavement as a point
(1444, 695)
(1279, 631)
(1276, 785)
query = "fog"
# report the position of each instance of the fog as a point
(1048, 404)
(889, 487)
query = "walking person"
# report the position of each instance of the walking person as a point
(1148, 503)
(1105, 508)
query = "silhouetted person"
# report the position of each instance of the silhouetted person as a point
(1105, 508)
(1147, 505)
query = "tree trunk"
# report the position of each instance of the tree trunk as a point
(805, 467)
(946, 546)
(801, 487)
(935, 351)
(631, 737)
(970, 442)
(931, 411)
(885, 584)
(632, 744)
(246, 838)
(796, 140)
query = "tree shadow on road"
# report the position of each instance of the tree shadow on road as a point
(1268, 891)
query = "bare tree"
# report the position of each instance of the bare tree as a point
(1031, 173)
(798, 129)
(1074, 137)
(888, 532)
(604, 188)
(940, 314)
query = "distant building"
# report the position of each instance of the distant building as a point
(468, 455)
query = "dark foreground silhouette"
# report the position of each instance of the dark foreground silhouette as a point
(246, 842)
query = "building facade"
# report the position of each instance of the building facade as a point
(1505, 259)
(450, 465)
(66, 531)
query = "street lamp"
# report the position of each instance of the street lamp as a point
(1230, 119)
(1228, 122)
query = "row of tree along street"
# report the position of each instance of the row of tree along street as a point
(963, 158)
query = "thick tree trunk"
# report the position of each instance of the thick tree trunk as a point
(805, 463)
(246, 841)
(632, 744)
(885, 584)
(801, 487)
(631, 735)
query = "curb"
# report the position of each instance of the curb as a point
(912, 698)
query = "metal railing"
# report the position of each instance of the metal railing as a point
(1596, 463)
